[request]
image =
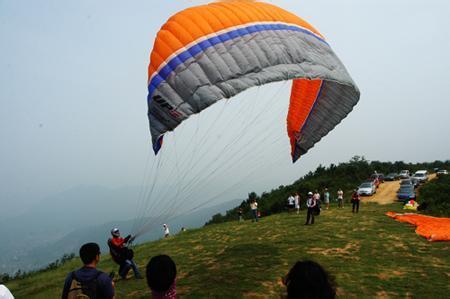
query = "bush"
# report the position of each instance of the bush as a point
(435, 196)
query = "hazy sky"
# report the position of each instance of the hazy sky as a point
(73, 95)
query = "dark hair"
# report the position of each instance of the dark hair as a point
(161, 273)
(307, 279)
(88, 252)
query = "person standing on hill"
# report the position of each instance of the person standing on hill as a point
(340, 198)
(326, 198)
(166, 230)
(297, 202)
(5, 293)
(240, 213)
(291, 203)
(254, 208)
(355, 201)
(316, 196)
(311, 204)
(88, 282)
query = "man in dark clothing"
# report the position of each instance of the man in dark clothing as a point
(311, 203)
(355, 201)
(88, 280)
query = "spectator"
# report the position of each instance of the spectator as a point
(297, 202)
(340, 198)
(240, 212)
(291, 203)
(355, 201)
(307, 279)
(166, 231)
(5, 293)
(161, 277)
(88, 281)
(122, 254)
(254, 208)
(326, 198)
(316, 196)
(311, 205)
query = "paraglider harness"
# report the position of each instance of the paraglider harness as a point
(84, 290)
(120, 254)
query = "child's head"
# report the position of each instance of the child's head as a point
(307, 279)
(161, 273)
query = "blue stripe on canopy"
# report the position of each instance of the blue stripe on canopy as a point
(164, 73)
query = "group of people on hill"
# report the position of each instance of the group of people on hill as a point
(313, 204)
(294, 200)
(306, 279)
(89, 282)
(92, 283)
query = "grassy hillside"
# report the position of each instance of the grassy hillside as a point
(369, 254)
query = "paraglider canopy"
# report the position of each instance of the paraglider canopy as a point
(207, 53)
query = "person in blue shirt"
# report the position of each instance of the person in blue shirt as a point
(88, 280)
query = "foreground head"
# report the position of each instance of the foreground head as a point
(307, 279)
(90, 253)
(115, 232)
(310, 194)
(161, 273)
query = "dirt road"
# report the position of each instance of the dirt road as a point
(387, 192)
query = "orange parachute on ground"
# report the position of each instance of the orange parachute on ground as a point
(432, 228)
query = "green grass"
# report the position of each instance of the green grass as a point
(369, 254)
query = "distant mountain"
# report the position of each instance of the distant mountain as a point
(62, 222)
(56, 216)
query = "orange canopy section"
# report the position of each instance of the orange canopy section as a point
(432, 228)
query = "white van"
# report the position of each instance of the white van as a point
(421, 175)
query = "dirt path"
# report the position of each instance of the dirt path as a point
(387, 192)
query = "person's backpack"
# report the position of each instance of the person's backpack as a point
(83, 290)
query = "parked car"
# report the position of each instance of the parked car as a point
(421, 175)
(406, 193)
(407, 182)
(378, 176)
(374, 181)
(367, 188)
(393, 176)
(404, 174)
(441, 172)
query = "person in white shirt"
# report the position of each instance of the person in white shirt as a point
(5, 293)
(297, 202)
(316, 196)
(311, 204)
(166, 230)
(326, 198)
(254, 208)
(291, 202)
(340, 196)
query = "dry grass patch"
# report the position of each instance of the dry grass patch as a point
(348, 250)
